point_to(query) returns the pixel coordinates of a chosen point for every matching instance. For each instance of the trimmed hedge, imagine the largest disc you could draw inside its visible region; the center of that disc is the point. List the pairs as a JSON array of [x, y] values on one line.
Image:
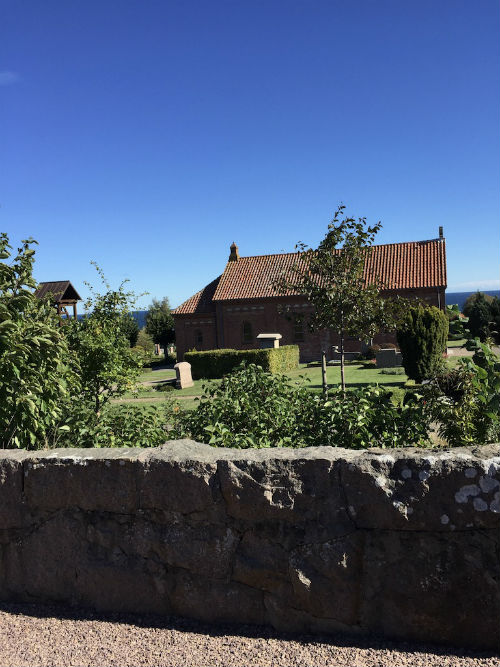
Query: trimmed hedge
[[216, 363]]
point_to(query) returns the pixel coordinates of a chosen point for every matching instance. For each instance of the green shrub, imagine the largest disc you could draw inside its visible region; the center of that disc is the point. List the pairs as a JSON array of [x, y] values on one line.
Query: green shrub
[[255, 408], [466, 401], [422, 341], [480, 317], [473, 298], [117, 426], [145, 342], [34, 377], [371, 352], [397, 370], [456, 328], [217, 363], [165, 387]]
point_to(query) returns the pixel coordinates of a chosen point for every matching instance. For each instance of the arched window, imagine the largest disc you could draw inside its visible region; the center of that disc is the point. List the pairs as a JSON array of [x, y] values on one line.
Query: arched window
[[247, 333], [298, 329], [198, 339]]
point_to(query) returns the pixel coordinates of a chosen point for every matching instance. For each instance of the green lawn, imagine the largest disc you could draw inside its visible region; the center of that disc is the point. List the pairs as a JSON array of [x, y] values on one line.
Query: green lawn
[[456, 343], [356, 375]]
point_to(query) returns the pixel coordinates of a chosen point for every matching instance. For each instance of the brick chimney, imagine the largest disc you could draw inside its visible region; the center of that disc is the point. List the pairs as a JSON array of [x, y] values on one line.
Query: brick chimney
[[234, 255], [441, 233]]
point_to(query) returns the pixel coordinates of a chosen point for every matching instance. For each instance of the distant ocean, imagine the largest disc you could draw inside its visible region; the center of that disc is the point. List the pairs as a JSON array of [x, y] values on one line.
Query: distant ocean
[[451, 297], [461, 297]]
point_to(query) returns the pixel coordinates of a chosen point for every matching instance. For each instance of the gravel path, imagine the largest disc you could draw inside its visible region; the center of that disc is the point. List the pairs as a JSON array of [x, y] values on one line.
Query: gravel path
[[37, 636]]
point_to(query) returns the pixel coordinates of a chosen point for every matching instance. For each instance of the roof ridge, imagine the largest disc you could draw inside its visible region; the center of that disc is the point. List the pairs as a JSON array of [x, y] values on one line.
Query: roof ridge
[[375, 245]]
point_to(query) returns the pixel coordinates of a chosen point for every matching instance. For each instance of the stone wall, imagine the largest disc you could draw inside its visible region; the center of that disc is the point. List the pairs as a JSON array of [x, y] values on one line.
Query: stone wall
[[401, 543]]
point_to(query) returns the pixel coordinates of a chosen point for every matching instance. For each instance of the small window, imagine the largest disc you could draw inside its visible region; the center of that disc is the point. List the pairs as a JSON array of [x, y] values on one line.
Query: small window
[[298, 329], [247, 333], [198, 339]]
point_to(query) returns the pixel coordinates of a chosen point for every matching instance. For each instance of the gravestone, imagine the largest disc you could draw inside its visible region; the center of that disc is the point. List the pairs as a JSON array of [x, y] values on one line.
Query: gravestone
[[183, 375], [389, 358]]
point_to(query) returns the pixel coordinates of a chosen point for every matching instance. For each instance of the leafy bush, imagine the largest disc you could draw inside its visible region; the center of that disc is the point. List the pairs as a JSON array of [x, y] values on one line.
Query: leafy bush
[[397, 370], [130, 329], [466, 401], [422, 341], [160, 323], [145, 342], [473, 298], [216, 363], [117, 426], [164, 387], [34, 377], [452, 312], [101, 353], [480, 317], [255, 408], [371, 352]]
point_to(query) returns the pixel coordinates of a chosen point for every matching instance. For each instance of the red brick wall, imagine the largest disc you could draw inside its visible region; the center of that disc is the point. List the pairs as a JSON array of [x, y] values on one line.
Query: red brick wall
[[186, 328], [265, 317]]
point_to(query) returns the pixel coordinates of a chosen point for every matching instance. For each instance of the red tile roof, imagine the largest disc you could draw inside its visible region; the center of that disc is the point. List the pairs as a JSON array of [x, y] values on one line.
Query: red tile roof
[[200, 303], [399, 266]]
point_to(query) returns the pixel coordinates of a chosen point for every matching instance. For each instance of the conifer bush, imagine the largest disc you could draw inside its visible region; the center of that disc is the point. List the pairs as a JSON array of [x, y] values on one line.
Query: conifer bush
[[422, 341]]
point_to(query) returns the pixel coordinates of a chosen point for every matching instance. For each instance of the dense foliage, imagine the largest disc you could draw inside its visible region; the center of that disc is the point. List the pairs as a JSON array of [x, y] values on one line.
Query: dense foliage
[[254, 408], [117, 426], [102, 356], [333, 280], [466, 401], [160, 323], [130, 329], [211, 364], [422, 341], [33, 354], [480, 314]]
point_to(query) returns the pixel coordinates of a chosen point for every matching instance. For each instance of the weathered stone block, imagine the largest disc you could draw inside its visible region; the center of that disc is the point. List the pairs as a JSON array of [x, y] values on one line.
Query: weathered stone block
[[297, 492], [214, 601], [260, 563], [422, 585], [89, 480], [184, 487], [12, 507], [325, 578], [415, 490]]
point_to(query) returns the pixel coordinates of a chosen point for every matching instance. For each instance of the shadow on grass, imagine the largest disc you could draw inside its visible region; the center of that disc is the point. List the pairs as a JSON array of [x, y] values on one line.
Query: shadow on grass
[[181, 624]]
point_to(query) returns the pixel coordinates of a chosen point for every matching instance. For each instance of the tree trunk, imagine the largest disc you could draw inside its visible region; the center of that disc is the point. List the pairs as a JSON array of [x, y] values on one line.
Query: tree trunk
[[342, 375], [323, 375]]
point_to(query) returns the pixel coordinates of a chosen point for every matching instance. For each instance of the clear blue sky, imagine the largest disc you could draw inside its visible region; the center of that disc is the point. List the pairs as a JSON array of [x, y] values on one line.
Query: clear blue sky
[[148, 135]]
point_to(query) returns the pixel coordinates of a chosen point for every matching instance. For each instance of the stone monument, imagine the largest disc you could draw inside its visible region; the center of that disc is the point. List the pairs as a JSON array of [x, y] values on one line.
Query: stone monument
[[183, 375], [267, 340]]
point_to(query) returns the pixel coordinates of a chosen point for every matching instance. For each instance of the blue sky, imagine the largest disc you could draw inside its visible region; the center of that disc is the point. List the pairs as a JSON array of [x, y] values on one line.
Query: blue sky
[[148, 135]]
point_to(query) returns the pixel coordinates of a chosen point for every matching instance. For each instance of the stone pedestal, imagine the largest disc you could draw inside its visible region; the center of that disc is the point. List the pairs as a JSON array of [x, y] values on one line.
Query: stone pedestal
[[267, 340], [183, 375]]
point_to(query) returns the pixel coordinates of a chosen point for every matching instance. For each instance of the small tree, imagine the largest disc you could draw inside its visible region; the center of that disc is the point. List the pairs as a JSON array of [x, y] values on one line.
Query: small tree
[[130, 329], [332, 278], [160, 323], [471, 300], [33, 354], [102, 355], [480, 316], [145, 342], [495, 319], [422, 340]]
